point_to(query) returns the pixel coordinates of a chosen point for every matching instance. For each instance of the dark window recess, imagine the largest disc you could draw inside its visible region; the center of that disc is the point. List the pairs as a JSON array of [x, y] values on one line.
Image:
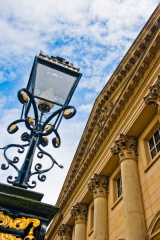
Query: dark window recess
[[119, 187], [154, 143]]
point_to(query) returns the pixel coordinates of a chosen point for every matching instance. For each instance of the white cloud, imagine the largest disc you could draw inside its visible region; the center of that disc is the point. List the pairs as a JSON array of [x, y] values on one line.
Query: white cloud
[[94, 35], [85, 108]]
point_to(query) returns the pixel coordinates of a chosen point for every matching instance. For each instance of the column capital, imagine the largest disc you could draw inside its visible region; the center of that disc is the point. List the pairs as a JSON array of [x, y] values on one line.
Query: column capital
[[125, 148], [99, 185], [65, 232], [79, 211], [153, 97]]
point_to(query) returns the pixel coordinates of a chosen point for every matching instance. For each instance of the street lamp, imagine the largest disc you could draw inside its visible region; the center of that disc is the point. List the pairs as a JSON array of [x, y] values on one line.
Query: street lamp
[[51, 84]]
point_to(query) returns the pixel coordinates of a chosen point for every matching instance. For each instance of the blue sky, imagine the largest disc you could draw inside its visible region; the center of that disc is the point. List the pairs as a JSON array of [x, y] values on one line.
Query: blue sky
[[92, 34]]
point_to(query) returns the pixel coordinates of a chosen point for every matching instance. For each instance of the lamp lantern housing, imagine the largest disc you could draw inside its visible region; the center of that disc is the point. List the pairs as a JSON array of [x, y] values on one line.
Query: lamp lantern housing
[[52, 81]]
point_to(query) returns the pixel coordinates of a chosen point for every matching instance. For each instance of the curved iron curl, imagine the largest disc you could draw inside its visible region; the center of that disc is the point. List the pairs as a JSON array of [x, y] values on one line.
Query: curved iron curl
[[54, 140], [10, 179], [56, 143], [31, 101], [38, 167], [48, 132], [58, 112], [71, 114], [15, 159], [14, 123], [42, 152], [34, 184]]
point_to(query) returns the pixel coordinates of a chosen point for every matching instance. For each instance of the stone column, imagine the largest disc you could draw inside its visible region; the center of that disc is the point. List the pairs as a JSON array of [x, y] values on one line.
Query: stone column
[[153, 97], [79, 211], [126, 150], [65, 232], [99, 187]]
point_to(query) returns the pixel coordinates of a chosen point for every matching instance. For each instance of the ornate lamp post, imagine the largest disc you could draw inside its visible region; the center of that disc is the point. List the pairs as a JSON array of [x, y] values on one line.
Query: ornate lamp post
[[51, 85]]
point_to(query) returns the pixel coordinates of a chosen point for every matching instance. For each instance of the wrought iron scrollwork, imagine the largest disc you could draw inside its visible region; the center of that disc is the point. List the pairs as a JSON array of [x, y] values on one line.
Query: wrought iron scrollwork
[[37, 137]]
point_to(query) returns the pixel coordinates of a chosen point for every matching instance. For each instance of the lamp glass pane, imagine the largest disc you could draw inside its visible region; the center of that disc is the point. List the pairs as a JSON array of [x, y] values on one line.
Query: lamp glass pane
[[52, 84]]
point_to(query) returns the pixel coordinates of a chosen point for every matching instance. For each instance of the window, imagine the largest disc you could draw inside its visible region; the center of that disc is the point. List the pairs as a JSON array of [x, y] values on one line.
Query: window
[[90, 224], [116, 186], [149, 144], [154, 143], [119, 186], [92, 218]]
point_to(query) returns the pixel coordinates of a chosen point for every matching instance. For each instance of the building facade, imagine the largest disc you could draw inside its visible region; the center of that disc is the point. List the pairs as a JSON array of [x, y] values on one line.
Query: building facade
[[112, 190]]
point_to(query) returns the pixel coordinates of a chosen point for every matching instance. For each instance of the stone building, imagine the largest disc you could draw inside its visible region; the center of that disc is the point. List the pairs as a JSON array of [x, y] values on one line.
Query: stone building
[[112, 190]]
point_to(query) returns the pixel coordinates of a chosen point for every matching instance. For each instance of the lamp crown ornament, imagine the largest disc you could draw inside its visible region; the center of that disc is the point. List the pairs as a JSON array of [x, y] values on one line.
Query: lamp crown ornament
[[51, 85], [59, 60]]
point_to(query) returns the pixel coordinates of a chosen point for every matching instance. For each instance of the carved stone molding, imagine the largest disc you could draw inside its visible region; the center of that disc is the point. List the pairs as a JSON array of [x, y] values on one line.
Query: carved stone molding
[[65, 232], [79, 211], [99, 185], [103, 116], [125, 148], [153, 97]]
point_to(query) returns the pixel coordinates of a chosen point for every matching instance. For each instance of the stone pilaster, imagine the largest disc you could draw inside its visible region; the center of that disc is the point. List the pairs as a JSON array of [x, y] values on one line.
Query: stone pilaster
[[80, 212], [99, 187], [65, 232], [153, 97], [126, 150]]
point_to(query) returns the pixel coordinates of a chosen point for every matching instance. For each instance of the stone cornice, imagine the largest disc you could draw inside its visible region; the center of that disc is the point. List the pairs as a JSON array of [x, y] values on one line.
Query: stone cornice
[[105, 112], [135, 63]]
